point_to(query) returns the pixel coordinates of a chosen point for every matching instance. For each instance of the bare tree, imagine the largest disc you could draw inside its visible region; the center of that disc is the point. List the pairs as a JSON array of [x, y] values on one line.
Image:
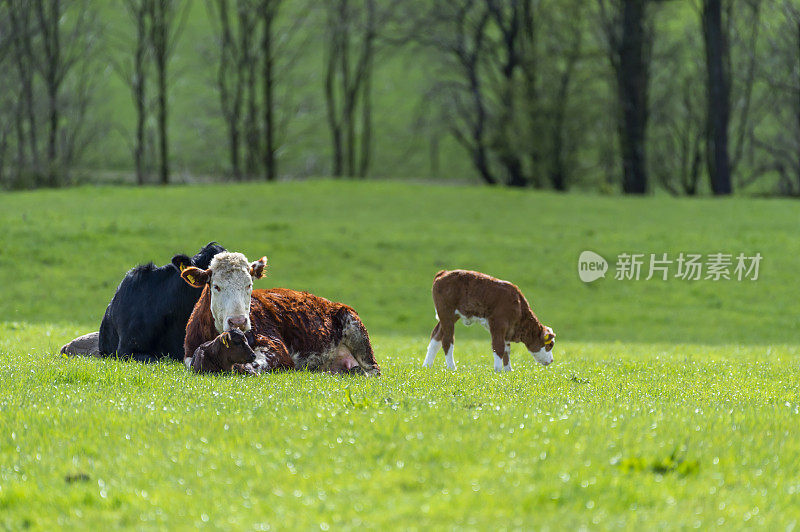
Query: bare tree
[[248, 25], [718, 97], [134, 75], [745, 35], [254, 53], [458, 31], [231, 69], [6, 89], [781, 70], [53, 67], [566, 45], [268, 11], [629, 42], [678, 114], [22, 31], [54, 41], [530, 64], [351, 32], [167, 19], [507, 17]]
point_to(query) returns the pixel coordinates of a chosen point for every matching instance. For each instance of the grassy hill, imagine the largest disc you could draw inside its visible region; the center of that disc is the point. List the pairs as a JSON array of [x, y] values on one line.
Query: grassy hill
[[670, 404], [377, 246]]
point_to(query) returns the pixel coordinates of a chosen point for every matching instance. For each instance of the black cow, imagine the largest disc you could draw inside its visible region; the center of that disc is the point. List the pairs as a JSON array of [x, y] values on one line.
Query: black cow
[[147, 316]]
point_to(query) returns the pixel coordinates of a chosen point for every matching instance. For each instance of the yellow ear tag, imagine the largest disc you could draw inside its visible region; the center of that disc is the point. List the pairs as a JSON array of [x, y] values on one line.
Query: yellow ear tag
[[191, 278], [183, 267], [224, 339]]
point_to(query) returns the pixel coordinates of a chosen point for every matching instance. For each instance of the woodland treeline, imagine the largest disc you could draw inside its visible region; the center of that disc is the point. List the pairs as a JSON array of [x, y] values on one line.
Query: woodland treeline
[[684, 96]]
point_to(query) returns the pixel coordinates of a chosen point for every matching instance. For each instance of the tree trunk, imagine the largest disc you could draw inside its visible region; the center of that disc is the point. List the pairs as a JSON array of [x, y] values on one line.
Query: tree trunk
[[530, 72], [557, 169], [159, 36], [348, 112], [251, 135], [479, 154], [482, 164], [163, 169], [139, 91], [478, 131], [558, 172], [366, 122], [509, 36], [20, 130], [3, 148], [19, 16], [48, 27], [797, 110], [333, 50], [632, 81], [229, 76], [508, 156], [366, 92], [718, 97], [52, 138], [268, 15]]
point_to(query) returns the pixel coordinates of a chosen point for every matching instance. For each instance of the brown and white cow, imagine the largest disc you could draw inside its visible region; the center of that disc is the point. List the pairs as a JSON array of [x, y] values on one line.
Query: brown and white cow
[[289, 329], [497, 305]]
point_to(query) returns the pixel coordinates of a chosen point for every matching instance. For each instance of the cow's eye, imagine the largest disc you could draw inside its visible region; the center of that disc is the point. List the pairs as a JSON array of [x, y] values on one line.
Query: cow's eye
[[216, 288]]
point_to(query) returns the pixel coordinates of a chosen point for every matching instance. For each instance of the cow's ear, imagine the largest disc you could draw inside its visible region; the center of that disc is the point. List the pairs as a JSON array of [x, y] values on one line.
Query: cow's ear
[[181, 262], [195, 276], [257, 268]]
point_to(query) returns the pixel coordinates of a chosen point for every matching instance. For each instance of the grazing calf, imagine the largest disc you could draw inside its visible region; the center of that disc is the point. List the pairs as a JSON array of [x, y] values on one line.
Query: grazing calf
[[291, 330], [147, 316], [223, 354], [497, 305]]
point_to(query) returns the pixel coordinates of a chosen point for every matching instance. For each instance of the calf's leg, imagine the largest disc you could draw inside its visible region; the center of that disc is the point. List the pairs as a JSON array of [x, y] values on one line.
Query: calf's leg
[[448, 340], [501, 350], [434, 346]]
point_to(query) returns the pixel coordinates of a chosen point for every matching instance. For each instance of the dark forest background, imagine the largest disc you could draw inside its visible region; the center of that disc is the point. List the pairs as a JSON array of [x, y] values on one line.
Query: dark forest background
[[635, 96]]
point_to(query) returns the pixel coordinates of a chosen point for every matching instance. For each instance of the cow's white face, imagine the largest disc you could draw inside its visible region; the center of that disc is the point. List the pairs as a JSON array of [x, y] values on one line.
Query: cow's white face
[[544, 356], [231, 289], [230, 283]]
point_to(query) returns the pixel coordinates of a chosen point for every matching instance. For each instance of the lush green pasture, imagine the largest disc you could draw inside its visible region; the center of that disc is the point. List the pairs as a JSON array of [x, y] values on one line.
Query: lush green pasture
[[670, 404], [377, 246], [586, 441]]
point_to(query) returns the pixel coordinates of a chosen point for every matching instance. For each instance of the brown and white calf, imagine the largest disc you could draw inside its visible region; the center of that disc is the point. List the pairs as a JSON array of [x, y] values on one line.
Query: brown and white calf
[[497, 305], [290, 329]]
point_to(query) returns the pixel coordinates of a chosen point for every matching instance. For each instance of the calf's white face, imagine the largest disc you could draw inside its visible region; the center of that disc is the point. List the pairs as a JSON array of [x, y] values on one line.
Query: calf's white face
[[544, 356], [230, 283]]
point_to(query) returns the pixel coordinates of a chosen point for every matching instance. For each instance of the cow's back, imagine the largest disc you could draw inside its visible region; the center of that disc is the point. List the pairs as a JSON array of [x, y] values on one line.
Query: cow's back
[[307, 323], [475, 293]]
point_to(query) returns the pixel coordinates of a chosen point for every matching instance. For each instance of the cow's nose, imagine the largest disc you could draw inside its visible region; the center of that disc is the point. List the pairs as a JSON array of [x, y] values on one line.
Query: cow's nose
[[237, 322]]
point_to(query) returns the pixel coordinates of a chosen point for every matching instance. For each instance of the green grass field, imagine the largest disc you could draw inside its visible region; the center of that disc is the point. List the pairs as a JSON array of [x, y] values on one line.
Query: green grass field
[[671, 404]]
